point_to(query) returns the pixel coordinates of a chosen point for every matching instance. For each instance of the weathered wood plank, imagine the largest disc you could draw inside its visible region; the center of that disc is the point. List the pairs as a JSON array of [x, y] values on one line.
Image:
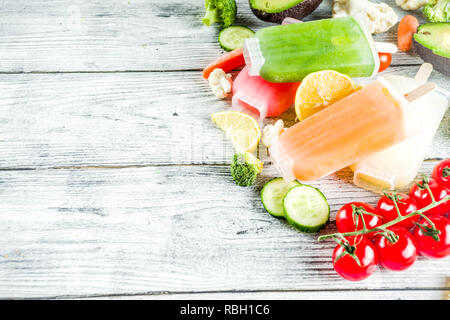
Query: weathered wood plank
[[122, 35], [290, 295], [119, 119], [157, 229], [152, 229]]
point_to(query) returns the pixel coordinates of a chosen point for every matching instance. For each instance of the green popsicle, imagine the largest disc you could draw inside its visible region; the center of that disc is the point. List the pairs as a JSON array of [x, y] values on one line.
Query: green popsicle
[[289, 52]]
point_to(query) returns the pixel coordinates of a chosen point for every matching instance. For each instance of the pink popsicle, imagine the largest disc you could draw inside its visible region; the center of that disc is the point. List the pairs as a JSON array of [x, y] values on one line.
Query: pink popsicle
[[254, 94]]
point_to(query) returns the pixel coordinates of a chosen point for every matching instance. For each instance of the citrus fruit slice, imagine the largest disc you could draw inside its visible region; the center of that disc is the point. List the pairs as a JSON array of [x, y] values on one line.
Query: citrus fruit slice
[[241, 129], [320, 89]]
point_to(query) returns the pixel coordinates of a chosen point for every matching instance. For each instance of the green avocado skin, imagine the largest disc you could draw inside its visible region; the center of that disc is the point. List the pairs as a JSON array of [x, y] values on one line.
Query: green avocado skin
[[432, 51], [440, 63], [298, 11]]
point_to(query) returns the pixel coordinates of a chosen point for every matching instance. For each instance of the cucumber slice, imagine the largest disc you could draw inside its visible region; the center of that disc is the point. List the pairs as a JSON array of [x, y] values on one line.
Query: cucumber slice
[[306, 208], [273, 193], [233, 37]]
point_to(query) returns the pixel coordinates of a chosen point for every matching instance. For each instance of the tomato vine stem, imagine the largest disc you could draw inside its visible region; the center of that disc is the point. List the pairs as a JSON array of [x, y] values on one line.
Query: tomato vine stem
[[400, 218], [446, 172]]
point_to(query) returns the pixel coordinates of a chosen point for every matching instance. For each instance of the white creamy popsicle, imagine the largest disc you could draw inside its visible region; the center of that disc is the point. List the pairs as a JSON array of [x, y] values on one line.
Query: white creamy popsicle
[[398, 165]]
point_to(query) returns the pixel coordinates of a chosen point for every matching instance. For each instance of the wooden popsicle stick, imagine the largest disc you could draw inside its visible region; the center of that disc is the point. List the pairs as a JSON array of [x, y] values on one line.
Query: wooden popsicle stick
[[420, 91], [424, 72], [289, 20]]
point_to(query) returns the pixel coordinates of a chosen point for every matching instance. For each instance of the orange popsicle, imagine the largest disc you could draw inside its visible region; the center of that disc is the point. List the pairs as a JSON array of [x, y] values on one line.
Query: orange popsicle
[[369, 120]]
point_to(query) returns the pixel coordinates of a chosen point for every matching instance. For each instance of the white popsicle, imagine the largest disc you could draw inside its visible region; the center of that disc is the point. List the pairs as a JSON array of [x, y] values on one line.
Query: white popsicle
[[398, 165]]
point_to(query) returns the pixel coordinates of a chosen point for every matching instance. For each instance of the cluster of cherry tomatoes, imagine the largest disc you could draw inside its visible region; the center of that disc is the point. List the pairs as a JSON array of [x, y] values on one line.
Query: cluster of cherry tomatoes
[[357, 257]]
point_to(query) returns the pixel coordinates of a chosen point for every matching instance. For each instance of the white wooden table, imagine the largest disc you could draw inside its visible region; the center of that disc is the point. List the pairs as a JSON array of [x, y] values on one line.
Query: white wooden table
[[115, 184]]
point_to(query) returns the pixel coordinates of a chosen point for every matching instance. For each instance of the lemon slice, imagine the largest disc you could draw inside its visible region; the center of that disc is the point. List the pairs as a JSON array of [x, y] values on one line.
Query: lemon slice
[[241, 129], [320, 89]]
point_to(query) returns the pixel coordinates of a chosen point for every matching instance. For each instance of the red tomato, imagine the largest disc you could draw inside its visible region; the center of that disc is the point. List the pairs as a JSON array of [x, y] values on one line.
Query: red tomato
[[348, 219], [399, 255], [429, 247], [441, 173], [385, 60], [406, 205], [347, 267], [419, 193]]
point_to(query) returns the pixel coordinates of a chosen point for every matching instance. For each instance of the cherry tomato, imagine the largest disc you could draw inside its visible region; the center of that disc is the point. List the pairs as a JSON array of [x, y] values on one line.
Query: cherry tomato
[[399, 255], [429, 247], [419, 193], [406, 205], [385, 60], [348, 218], [441, 173], [347, 267]]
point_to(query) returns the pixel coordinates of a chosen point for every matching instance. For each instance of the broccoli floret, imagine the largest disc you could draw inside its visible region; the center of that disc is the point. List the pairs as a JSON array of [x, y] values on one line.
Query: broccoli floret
[[437, 10], [244, 168], [221, 11], [212, 14]]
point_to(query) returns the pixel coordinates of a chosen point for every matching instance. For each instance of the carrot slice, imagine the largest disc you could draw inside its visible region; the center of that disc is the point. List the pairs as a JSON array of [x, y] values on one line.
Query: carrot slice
[[406, 28], [227, 62]]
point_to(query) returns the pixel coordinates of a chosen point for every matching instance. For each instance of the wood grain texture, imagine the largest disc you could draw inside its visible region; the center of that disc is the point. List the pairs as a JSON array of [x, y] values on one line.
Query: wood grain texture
[[115, 183], [176, 229], [122, 35], [288, 295], [122, 119]]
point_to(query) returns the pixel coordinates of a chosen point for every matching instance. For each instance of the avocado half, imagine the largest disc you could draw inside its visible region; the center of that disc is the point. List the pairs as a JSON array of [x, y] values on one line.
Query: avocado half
[[432, 44], [276, 10]]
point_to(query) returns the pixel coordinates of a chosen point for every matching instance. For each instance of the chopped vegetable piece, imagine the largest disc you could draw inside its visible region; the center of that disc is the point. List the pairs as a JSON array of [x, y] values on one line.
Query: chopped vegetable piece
[[227, 62], [406, 28], [380, 17], [276, 10], [220, 11], [436, 37], [220, 83], [411, 4], [273, 193], [271, 132], [233, 37], [245, 167], [431, 42], [437, 11], [385, 60], [306, 208]]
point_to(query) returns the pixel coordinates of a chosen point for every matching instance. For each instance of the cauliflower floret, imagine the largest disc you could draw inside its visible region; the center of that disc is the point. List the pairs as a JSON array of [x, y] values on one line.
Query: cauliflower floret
[[220, 83], [380, 16], [411, 4], [271, 132]]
